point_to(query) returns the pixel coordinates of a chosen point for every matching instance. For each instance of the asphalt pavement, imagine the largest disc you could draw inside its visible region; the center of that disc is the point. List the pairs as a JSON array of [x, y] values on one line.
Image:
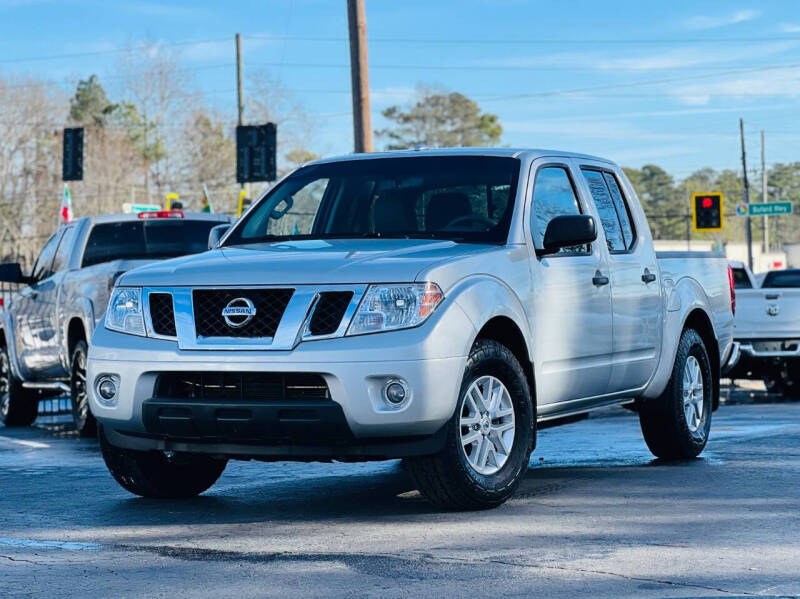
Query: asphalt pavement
[[596, 516]]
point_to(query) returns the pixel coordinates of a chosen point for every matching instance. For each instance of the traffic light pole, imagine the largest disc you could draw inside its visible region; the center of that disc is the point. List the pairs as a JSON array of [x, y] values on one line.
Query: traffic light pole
[[748, 231]]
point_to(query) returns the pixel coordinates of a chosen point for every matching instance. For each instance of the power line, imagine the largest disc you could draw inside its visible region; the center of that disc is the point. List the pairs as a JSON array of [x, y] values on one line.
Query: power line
[[433, 41], [531, 41], [109, 51]]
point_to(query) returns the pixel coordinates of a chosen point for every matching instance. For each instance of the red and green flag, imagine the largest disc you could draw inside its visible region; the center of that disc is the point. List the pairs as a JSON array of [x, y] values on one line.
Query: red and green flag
[[206, 201]]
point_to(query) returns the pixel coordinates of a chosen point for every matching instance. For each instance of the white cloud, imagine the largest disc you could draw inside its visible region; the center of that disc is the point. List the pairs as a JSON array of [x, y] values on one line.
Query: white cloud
[[677, 59], [766, 84], [706, 22], [790, 27]]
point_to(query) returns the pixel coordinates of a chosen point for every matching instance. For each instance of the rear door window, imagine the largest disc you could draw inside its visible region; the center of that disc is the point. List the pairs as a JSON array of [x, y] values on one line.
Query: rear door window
[[740, 279], [609, 214]]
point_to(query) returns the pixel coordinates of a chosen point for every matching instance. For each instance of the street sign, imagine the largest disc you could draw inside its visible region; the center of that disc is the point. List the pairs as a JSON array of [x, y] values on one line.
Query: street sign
[[136, 208], [256, 153], [707, 212], [72, 156], [764, 208]]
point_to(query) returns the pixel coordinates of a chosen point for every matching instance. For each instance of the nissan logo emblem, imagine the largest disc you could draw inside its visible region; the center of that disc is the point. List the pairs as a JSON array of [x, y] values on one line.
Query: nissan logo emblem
[[238, 312]]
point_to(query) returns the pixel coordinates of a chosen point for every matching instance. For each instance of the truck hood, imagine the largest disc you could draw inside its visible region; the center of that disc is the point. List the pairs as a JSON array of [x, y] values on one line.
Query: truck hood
[[330, 261]]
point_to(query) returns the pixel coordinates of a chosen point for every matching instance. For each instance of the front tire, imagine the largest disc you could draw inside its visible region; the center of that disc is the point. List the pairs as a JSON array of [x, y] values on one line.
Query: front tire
[[82, 417], [18, 406], [159, 475], [489, 438], [676, 425]]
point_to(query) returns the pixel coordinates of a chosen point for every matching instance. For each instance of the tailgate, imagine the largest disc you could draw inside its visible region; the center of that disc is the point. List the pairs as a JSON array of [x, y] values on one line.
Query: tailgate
[[767, 314]]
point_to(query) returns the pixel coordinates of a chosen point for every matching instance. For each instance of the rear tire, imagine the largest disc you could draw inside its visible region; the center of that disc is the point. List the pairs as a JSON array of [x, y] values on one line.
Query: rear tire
[[154, 474], [676, 425], [474, 475], [82, 416], [18, 406]]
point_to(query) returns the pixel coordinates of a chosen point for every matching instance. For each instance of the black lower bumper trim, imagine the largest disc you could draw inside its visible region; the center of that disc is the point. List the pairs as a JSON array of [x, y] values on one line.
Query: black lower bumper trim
[[354, 450], [274, 422]]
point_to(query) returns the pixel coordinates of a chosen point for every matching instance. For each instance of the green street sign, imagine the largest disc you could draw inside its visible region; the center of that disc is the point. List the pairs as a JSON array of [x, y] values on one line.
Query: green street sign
[[764, 208], [136, 208]]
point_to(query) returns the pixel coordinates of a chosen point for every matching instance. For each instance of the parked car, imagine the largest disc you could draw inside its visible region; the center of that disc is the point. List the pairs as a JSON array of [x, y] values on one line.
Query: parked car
[[767, 329], [429, 305], [46, 326]]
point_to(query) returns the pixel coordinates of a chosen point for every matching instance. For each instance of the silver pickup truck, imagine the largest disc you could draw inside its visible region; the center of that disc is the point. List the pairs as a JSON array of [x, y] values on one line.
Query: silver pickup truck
[[45, 326], [430, 305], [767, 329]]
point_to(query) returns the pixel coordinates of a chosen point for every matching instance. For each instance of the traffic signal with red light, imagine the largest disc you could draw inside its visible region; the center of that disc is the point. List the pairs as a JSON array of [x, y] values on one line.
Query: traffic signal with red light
[[707, 212]]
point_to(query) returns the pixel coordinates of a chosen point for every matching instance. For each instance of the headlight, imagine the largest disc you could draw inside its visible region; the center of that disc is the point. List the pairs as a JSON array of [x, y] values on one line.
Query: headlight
[[392, 307], [124, 312]]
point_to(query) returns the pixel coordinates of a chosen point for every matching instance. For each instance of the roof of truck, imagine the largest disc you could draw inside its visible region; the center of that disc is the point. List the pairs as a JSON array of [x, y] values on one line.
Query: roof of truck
[[424, 151], [114, 218]]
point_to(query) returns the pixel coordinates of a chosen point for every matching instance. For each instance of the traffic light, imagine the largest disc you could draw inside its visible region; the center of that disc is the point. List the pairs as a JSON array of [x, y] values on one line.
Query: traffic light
[[256, 149], [72, 158], [707, 212]]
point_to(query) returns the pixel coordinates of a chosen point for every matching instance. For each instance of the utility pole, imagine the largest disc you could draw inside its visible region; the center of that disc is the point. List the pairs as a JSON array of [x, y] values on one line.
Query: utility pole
[[239, 84], [764, 191], [359, 75], [746, 200]]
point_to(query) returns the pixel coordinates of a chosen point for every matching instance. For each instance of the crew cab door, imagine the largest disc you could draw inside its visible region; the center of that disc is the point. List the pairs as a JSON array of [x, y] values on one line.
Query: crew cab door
[[570, 309], [635, 288], [35, 318]]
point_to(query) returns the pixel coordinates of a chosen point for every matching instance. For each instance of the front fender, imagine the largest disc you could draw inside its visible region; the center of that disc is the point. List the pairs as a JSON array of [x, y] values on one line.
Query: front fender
[[682, 299], [82, 309], [484, 297], [7, 328]]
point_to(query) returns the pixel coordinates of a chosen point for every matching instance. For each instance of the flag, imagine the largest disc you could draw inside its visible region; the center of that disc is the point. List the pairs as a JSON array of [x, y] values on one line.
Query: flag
[[66, 206], [206, 201]]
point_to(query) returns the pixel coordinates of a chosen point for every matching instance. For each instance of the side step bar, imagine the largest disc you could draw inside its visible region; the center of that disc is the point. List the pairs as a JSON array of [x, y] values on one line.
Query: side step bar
[[56, 386]]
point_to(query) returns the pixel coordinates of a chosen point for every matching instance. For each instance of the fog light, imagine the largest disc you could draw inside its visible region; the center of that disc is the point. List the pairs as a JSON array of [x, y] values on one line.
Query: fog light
[[106, 386], [395, 392]]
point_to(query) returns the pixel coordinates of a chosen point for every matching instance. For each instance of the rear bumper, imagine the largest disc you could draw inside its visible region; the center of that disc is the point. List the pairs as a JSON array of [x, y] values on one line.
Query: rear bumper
[[733, 358]]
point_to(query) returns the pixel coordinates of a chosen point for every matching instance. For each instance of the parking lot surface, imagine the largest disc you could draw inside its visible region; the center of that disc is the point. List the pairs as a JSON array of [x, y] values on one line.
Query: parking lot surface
[[595, 515]]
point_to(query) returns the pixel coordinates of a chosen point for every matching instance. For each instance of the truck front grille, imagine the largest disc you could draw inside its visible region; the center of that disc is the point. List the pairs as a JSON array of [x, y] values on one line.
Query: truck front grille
[[241, 386], [162, 314], [269, 306], [329, 311]]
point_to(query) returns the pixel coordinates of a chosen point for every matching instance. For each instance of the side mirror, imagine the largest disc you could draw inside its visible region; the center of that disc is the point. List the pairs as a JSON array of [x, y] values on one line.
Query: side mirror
[[567, 231], [215, 234], [12, 273]]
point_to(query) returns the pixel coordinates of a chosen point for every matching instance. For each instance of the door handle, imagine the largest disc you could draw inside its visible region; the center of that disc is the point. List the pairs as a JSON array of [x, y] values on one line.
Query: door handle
[[648, 277], [599, 279]]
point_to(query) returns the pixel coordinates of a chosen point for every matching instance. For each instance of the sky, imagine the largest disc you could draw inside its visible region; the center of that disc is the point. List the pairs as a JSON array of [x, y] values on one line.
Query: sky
[[640, 82]]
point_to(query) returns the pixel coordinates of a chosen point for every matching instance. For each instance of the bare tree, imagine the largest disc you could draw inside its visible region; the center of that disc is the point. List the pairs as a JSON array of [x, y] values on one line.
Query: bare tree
[[156, 93], [270, 101]]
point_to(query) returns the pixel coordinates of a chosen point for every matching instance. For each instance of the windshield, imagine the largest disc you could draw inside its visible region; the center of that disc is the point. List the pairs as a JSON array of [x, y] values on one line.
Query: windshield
[[146, 239], [461, 198], [782, 278]]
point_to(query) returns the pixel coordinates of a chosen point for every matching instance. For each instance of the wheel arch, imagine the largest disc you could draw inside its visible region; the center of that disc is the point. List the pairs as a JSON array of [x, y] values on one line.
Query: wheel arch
[[504, 330], [76, 331], [699, 321]]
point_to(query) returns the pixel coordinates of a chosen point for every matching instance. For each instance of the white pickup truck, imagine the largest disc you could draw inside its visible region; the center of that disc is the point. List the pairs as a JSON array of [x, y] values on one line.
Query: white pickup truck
[[45, 326], [767, 329], [430, 305]]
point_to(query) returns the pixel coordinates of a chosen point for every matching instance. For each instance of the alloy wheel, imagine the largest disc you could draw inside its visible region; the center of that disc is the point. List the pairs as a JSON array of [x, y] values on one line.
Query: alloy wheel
[[487, 425], [693, 394]]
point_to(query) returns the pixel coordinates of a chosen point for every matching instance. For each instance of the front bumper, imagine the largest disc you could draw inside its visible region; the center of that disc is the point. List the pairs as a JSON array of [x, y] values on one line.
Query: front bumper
[[354, 421]]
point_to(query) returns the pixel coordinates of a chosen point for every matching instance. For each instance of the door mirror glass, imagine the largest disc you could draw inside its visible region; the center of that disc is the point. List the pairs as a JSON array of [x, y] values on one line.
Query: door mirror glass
[[567, 231], [12, 273], [216, 234]]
